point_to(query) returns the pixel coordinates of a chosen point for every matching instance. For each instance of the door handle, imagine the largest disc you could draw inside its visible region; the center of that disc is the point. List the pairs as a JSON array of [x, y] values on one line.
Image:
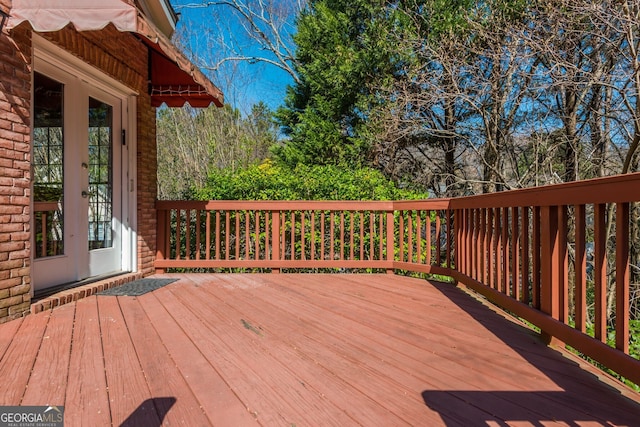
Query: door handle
[[84, 194]]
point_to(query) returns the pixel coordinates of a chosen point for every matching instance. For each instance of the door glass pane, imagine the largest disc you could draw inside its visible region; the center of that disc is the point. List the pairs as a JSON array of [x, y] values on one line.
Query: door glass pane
[[48, 151], [100, 174]]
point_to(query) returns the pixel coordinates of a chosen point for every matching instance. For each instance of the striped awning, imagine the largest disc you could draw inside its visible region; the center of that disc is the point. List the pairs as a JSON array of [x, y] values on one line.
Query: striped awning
[[174, 80]]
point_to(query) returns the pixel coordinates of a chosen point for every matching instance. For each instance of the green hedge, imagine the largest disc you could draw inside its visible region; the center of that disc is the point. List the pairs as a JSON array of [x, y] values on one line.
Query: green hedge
[[270, 181]]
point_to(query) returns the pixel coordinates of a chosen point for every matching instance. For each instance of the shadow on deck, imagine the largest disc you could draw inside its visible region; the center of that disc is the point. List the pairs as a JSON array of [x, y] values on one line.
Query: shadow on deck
[[579, 400]]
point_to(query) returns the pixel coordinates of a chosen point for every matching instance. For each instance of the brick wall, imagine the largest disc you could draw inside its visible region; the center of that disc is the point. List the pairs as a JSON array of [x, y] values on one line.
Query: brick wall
[[15, 151], [123, 57], [147, 185]]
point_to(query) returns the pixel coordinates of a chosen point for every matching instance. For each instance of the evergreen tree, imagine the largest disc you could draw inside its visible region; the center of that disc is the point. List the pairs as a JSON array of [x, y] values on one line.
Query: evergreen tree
[[344, 50]]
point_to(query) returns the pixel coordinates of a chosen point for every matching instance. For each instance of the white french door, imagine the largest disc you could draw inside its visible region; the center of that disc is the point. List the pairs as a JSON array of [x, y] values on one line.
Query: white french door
[[79, 173]]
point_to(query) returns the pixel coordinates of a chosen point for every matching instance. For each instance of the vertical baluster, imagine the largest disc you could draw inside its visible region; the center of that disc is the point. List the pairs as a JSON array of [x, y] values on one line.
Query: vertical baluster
[[227, 226], [283, 235], [268, 219], [256, 254], [563, 263], [600, 267], [371, 234], [302, 236], [498, 249], [505, 251], [439, 241], [218, 235], [198, 225], [207, 237], [401, 237], [481, 246], [428, 237], [187, 245], [247, 235], [332, 238], [313, 235], [351, 238], [450, 232], [293, 235], [381, 239], [362, 257], [237, 235], [275, 239], [390, 237], [178, 234], [580, 268], [475, 233], [515, 252], [341, 235], [457, 223], [535, 250], [322, 226], [418, 237], [489, 249], [622, 277], [410, 236], [524, 238]]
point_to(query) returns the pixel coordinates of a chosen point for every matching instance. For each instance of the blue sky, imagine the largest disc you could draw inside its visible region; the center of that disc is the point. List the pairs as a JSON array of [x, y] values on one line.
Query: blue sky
[[201, 32]]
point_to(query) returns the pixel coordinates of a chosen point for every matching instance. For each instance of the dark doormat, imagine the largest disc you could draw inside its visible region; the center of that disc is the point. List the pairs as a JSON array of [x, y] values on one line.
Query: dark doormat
[[137, 287]]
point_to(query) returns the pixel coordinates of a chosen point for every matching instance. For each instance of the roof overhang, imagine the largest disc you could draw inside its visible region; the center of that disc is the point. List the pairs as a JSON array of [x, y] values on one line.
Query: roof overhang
[[173, 79]]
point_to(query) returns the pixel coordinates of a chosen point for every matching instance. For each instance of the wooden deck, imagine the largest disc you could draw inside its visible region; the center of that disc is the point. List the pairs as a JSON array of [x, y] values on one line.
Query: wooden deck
[[299, 350]]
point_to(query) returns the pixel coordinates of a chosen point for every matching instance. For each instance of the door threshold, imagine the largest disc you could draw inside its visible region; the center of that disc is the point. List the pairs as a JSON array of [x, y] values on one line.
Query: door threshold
[[47, 292], [81, 289]]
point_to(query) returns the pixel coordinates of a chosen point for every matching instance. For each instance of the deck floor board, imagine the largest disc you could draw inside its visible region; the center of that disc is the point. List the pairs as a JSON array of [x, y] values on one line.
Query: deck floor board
[[87, 399], [129, 395], [300, 349], [48, 379], [22, 353]]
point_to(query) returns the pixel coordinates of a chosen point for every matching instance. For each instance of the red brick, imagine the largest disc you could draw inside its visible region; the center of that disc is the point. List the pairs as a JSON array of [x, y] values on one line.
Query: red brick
[[11, 173], [11, 247], [20, 200], [11, 227], [20, 254], [20, 290], [22, 218], [10, 209], [10, 283], [22, 272], [20, 236], [20, 309], [11, 191]]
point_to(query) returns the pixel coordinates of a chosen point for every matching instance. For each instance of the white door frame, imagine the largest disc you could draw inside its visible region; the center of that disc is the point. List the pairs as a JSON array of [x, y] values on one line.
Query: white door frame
[[60, 65]]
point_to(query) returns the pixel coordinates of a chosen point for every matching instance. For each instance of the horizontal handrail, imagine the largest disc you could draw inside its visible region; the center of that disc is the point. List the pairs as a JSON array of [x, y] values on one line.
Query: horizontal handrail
[[537, 252]]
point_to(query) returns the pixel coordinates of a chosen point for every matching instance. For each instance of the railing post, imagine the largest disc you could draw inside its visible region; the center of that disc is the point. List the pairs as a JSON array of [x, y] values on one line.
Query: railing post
[[391, 241], [161, 237], [550, 270], [275, 238]]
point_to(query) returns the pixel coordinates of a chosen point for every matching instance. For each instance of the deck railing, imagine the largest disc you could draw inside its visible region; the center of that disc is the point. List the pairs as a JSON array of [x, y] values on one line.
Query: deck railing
[[557, 256], [304, 234]]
